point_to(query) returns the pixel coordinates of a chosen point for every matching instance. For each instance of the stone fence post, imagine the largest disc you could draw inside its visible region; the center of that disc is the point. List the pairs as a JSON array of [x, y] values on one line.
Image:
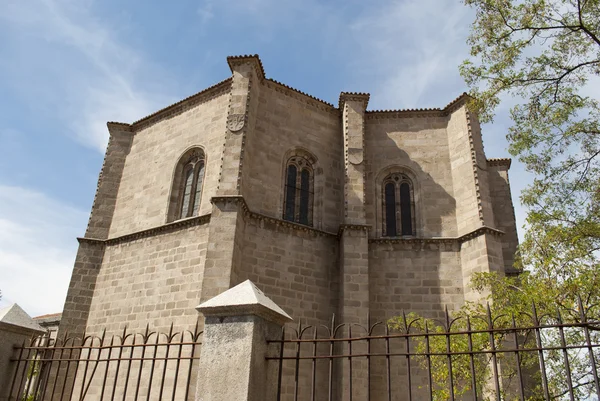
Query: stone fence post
[[16, 328], [232, 365]]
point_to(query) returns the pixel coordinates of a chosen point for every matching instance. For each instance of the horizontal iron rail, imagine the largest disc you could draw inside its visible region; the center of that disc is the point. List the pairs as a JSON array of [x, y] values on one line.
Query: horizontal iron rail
[[434, 334], [103, 359], [452, 353], [100, 347]]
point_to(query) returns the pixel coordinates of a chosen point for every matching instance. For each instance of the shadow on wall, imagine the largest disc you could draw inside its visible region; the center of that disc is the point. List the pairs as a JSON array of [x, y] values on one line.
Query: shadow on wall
[[415, 273]]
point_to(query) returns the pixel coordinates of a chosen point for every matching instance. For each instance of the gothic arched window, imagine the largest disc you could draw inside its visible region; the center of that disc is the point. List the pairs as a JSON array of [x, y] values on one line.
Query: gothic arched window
[[298, 197], [187, 185], [398, 206]]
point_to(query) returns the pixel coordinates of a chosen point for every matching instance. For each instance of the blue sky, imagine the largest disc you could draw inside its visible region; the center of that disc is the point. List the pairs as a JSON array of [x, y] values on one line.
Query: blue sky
[[68, 66]]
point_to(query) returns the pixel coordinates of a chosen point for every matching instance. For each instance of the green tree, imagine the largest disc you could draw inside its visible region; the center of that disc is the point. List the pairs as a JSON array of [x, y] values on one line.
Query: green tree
[[546, 54]]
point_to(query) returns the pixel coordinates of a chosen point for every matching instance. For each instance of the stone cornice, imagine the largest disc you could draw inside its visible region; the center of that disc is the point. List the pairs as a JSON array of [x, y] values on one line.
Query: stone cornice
[[475, 168], [354, 97], [247, 58], [353, 227], [457, 103], [427, 112], [504, 162], [182, 105], [169, 227], [261, 217], [449, 240], [302, 96]]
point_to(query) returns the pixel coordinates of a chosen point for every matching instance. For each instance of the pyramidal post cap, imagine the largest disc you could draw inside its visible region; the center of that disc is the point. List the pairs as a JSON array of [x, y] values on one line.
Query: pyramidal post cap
[[14, 315], [244, 299]]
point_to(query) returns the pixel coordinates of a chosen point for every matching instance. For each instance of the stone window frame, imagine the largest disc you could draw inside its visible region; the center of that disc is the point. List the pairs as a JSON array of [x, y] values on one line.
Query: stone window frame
[[302, 159], [404, 175], [195, 159]]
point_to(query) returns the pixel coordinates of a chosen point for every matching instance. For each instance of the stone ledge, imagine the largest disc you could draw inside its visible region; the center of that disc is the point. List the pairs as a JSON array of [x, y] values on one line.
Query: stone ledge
[[439, 240], [504, 162], [169, 227], [273, 220]]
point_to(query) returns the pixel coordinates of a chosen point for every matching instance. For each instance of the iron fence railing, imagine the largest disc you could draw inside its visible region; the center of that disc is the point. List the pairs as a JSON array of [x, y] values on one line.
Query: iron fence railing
[[148, 365], [528, 357]]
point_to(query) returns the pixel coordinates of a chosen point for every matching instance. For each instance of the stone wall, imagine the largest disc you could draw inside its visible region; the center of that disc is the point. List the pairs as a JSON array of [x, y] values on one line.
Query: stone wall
[[504, 211], [462, 167], [416, 276], [285, 122], [146, 182], [154, 280], [296, 268], [417, 145]]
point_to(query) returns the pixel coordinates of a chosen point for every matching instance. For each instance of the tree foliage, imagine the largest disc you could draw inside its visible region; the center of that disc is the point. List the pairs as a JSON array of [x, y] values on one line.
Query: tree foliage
[[544, 57], [506, 317], [546, 54]]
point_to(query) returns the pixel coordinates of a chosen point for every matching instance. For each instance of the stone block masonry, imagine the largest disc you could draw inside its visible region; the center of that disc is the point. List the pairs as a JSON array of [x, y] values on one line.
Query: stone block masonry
[[140, 263]]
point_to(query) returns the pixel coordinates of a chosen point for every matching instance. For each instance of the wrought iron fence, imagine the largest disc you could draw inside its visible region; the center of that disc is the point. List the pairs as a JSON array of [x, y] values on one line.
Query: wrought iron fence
[[148, 365], [526, 357]]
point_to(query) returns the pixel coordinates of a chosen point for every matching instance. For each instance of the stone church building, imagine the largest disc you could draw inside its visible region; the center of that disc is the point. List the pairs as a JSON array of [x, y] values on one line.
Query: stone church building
[[329, 209]]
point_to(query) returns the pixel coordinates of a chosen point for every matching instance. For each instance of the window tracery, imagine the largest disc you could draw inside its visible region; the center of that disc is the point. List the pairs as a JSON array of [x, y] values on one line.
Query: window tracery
[[298, 197], [398, 206]]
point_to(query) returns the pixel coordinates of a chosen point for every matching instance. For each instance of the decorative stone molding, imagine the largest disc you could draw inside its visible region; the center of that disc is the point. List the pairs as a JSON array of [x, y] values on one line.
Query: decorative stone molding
[[459, 240], [503, 162], [475, 167], [253, 59], [353, 97], [169, 227], [183, 105], [353, 227], [416, 113], [299, 95], [235, 122]]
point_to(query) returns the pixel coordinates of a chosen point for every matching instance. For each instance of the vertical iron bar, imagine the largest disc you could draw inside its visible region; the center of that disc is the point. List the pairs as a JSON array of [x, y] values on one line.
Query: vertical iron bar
[[388, 362], [563, 345], [112, 339], [471, 359], [31, 374], [280, 372], [45, 376], [369, 359], [297, 366], [407, 341], [23, 381], [62, 350], [518, 357], [189, 376], [176, 367], [332, 336], [350, 360], [145, 338], [129, 362], [314, 366], [12, 386], [95, 364], [152, 366], [428, 353], [449, 356], [586, 331], [538, 342], [162, 380], [87, 363], [493, 348], [64, 386], [114, 390]]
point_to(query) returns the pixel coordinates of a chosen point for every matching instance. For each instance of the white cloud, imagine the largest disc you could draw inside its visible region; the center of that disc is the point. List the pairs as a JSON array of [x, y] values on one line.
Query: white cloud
[[411, 49], [205, 11], [37, 249], [94, 73]]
